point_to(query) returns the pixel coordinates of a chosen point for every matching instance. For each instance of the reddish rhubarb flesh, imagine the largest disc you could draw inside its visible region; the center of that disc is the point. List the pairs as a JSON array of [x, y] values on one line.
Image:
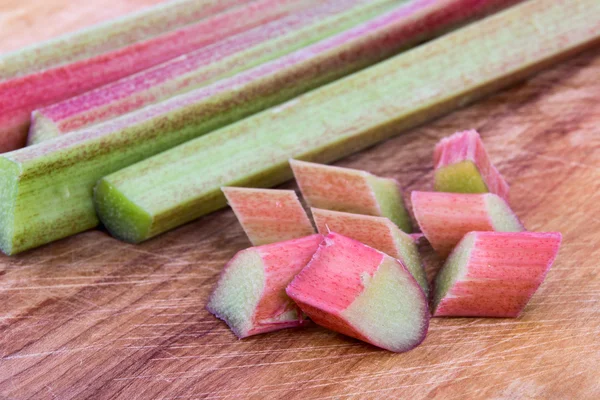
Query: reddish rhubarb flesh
[[444, 218], [494, 274], [377, 232], [462, 165], [21, 94], [351, 190], [267, 215], [361, 292], [250, 295], [203, 66]]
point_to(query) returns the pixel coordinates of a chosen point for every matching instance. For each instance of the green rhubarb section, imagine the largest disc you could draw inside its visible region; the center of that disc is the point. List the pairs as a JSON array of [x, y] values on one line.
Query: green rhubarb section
[[184, 183], [390, 201], [454, 269], [462, 177]]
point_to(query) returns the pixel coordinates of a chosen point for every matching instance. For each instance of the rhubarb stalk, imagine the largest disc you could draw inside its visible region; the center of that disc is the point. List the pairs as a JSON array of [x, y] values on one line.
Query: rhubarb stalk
[[202, 67], [267, 215], [377, 232], [184, 183], [250, 294], [74, 64], [444, 218], [462, 165], [494, 274], [356, 290], [351, 190]]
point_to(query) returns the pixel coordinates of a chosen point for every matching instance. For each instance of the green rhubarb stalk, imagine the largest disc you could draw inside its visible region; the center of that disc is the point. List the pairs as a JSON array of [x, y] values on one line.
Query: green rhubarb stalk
[[184, 183], [46, 190]]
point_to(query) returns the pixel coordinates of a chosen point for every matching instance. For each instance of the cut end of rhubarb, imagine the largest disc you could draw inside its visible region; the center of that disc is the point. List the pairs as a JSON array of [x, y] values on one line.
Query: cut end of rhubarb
[[41, 129], [363, 293], [9, 177], [268, 215], [250, 295], [444, 218], [111, 205], [351, 190], [494, 274], [462, 165], [377, 232]]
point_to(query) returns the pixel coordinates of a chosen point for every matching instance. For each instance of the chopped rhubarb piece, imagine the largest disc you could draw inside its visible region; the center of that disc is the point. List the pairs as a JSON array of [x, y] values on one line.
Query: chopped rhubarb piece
[[445, 218], [351, 190], [494, 274], [462, 165], [268, 215], [250, 295], [377, 232], [363, 293]]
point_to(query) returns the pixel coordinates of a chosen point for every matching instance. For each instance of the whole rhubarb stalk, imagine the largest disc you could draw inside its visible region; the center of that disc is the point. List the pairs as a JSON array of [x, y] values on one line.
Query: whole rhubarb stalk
[[351, 190], [62, 172], [344, 117], [462, 165], [356, 290], [202, 67], [444, 218], [494, 274], [250, 295], [267, 215], [74, 64], [377, 232]]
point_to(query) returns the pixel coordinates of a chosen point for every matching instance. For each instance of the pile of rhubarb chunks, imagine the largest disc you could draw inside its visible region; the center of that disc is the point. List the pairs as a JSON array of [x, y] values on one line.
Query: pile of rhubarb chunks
[[362, 274]]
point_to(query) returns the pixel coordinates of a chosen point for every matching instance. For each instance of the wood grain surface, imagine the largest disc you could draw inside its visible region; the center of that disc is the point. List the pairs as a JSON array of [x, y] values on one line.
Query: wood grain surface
[[92, 318]]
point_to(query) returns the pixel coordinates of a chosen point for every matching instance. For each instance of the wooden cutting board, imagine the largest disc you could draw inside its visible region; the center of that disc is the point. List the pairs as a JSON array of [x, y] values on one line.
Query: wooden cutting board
[[90, 317]]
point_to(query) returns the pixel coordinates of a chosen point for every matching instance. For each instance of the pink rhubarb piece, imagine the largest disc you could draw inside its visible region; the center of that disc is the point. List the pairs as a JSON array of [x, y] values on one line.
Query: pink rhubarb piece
[[250, 295], [494, 274]]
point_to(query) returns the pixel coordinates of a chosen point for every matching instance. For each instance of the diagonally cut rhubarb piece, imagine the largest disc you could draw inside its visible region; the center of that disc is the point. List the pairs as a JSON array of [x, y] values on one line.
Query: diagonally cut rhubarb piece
[[494, 274], [377, 232], [444, 218], [343, 117], [462, 165], [268, 215], [202, 67], [351, 190], [22, 92], [356, 290], [250, 295]]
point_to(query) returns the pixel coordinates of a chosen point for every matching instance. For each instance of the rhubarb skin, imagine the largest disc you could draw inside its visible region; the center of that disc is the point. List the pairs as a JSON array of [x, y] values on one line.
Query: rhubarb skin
[[444, 218], [22, 92], [494, 274], [199, 68], [267, 215], [351, 190], [361, 292], [377, 232], [462, 165], [344, 117], [250, 295]]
